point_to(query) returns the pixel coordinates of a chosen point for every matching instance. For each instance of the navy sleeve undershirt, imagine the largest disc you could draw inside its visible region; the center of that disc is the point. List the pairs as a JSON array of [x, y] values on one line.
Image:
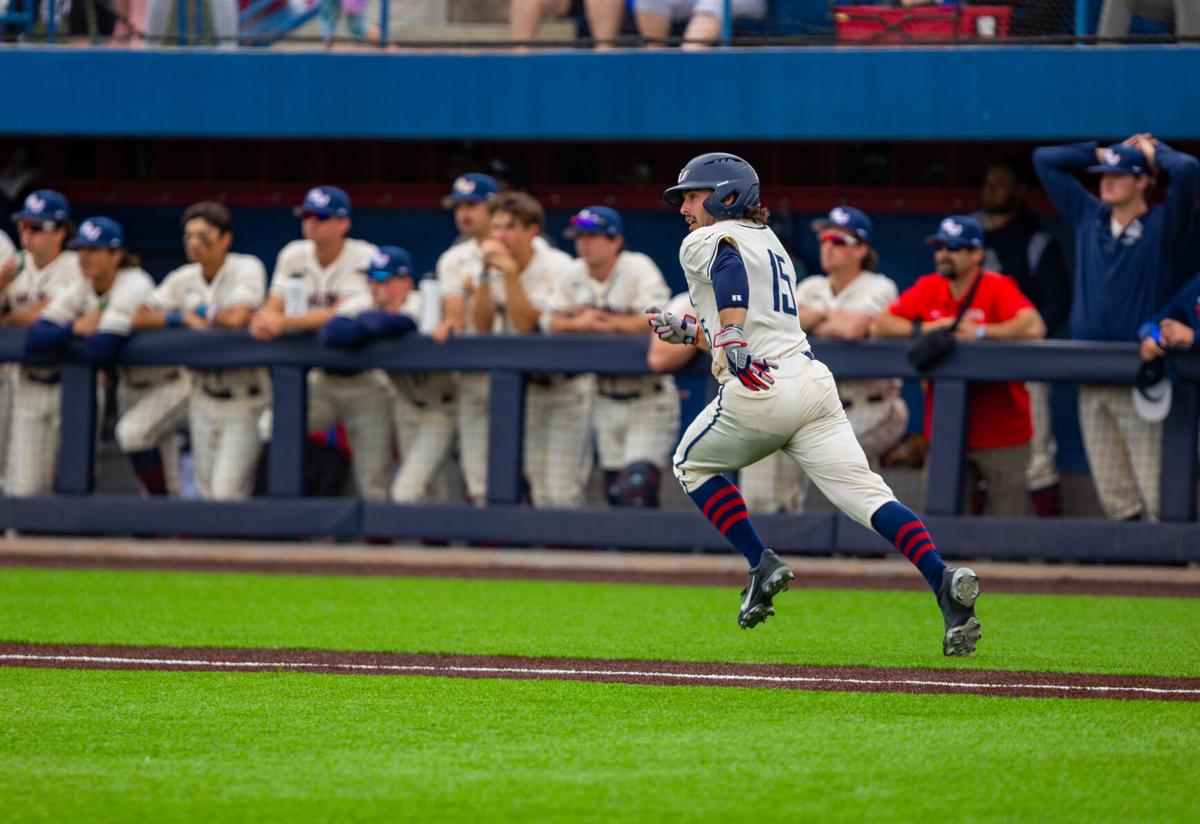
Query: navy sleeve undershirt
[[730, 283]]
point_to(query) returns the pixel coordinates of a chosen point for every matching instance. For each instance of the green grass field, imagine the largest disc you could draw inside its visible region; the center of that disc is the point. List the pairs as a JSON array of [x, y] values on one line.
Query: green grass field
[[228, 746]]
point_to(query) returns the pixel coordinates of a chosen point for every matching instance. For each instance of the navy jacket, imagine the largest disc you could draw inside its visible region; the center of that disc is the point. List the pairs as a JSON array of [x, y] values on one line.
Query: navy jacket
[[1119, 282], [1184, 307]]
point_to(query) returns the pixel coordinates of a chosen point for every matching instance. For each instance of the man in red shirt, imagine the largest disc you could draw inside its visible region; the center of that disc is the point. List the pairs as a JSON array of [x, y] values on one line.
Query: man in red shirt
[[999, 426]]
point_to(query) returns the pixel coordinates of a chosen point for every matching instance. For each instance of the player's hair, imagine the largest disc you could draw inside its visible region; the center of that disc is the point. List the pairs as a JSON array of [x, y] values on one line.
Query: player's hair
[[128, 260], [523, 207], [213, 213], [755, 214]]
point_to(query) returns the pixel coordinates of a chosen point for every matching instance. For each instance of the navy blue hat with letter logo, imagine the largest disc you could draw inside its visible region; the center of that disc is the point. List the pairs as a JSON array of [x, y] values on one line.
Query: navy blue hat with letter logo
[[326, 201], [958, 231], [99, 233], [389, 262], [44, 204]]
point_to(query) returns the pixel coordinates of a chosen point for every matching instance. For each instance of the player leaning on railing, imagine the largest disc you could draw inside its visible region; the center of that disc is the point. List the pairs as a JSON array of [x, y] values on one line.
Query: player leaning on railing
[[775, 395]]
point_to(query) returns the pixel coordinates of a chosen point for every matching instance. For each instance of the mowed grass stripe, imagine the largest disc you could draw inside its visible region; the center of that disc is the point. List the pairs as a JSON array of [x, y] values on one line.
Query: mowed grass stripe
[[895, 629], [137, 746]]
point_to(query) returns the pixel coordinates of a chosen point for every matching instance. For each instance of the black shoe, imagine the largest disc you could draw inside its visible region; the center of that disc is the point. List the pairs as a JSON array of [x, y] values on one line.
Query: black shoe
[[768, 579], [960, 588]]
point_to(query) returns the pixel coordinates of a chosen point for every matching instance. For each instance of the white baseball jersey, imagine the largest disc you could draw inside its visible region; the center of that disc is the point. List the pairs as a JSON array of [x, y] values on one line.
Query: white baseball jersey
[[869, 293], [6, 246], [241, 281], [772, 327], [33, 285], [341, 282], [459, 266], [129, 291], [539, 279]]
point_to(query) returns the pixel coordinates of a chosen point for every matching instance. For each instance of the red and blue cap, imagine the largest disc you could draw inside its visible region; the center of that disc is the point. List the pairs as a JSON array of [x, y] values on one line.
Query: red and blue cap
[[44, 204], [98, 233], [596, 220], [327, 201], [389, 262], [1121, 160], [473, 187], [958, 231], [847, 219]]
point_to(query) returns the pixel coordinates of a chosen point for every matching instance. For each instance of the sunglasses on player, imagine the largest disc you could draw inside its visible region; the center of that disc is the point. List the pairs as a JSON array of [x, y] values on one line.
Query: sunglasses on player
[[317, 216], [33, 228], [950, 247], [838, 239]]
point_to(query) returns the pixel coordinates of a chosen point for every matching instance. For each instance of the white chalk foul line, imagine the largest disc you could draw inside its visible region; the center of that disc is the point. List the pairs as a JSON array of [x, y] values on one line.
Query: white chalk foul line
[[716, 677]]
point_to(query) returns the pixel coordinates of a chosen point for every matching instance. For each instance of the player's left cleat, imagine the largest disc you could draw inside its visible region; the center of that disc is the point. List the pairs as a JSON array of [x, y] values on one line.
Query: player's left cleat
[[960, 588], [767, 580]]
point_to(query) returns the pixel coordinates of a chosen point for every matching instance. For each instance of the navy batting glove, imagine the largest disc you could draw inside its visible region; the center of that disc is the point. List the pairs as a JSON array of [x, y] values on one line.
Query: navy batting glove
[[752, 371]]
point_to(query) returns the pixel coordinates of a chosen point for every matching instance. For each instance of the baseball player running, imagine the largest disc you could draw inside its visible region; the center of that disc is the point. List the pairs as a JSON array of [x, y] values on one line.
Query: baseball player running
[[774, 395], [218, 289], [316, 279], [636, 417], [29, 281], [839, 304], [423, 402], [512, 295], [99, 308]]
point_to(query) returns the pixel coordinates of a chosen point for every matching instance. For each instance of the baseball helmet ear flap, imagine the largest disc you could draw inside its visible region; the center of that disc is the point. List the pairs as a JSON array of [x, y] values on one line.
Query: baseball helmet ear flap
[[743, 196], [726, 175]]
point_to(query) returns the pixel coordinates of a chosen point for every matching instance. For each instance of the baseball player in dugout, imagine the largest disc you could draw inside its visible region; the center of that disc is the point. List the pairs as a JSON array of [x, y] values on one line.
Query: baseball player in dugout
[[839, 304], [216, 290], [28, 282], [1127, 260], [514, 291], [458, 271], [100, 309], [775, 395], [7, 251], [422, 402], [636, 417], [316, 279], [985, 306]]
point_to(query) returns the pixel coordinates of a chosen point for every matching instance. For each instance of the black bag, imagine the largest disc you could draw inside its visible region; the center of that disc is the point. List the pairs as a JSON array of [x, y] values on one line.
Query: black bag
[[928, 349]]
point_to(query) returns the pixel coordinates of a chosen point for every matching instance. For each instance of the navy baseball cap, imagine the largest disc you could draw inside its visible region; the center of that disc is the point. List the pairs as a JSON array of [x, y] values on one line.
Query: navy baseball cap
[[473, 187], [957, 231], [1122, 160], [44, 204], [99, 233], [328, 201], [848, 219], [596, 220], [389, 262]]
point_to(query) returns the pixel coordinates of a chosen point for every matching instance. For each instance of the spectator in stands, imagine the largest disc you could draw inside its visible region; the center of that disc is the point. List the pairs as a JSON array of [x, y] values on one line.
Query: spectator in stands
[[604, 292], [999, 427], [458, 272], [28, 282], [1017, 245], [422, 402], [604, 18], [704, 19], [513, 291], [1126, 254], [1116, 16], [316, 279], [224, 13], [839, 304], [217, 289], [330, 11]]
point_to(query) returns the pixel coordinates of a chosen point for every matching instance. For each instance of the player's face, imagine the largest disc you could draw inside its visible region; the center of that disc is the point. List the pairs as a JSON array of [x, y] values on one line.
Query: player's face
[[956, 262], [597, 251], [693, 211], [322, 229], [1120, 190], [390, 293], [1001, 193], [510, 232], [98, 263], [470, 218], [840, 251], [41, 238], [204, 243]]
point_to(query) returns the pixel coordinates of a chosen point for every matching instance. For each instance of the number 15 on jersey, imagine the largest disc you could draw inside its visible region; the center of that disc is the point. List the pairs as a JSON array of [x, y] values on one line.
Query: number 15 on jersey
[[785, 298]]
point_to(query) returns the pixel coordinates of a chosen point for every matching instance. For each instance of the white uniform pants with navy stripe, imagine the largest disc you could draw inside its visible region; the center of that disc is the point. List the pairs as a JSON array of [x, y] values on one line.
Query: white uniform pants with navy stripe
[[800, 415], [558, 440]]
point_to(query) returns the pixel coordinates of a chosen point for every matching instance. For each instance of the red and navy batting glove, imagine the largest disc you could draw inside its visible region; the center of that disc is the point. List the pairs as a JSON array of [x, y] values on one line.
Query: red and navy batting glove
[[671, 327], [752, 371]]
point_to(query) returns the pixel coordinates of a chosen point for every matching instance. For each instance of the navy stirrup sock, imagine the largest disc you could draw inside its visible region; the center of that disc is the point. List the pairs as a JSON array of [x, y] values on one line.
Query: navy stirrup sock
[[901, 526], [723, 505]]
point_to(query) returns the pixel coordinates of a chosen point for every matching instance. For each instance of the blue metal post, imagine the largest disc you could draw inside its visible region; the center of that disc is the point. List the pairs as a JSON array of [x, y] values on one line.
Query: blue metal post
[[947, 448], [289, 428], [383, 22], [506, 431], [1081, 18], [52, 23], [727, 24], [181, 21], [76, 450]]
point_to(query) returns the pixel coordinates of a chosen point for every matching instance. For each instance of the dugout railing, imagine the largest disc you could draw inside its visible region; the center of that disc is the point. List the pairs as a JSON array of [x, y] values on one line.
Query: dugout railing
[[284, 514]]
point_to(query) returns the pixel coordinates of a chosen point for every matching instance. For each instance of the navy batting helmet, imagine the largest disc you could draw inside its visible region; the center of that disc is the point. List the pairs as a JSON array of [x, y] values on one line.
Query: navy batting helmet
[[726, 175]]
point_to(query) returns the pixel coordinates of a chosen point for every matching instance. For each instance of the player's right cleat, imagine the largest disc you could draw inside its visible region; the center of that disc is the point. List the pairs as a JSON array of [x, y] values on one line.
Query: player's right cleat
[[766, 580], [960, 588]]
